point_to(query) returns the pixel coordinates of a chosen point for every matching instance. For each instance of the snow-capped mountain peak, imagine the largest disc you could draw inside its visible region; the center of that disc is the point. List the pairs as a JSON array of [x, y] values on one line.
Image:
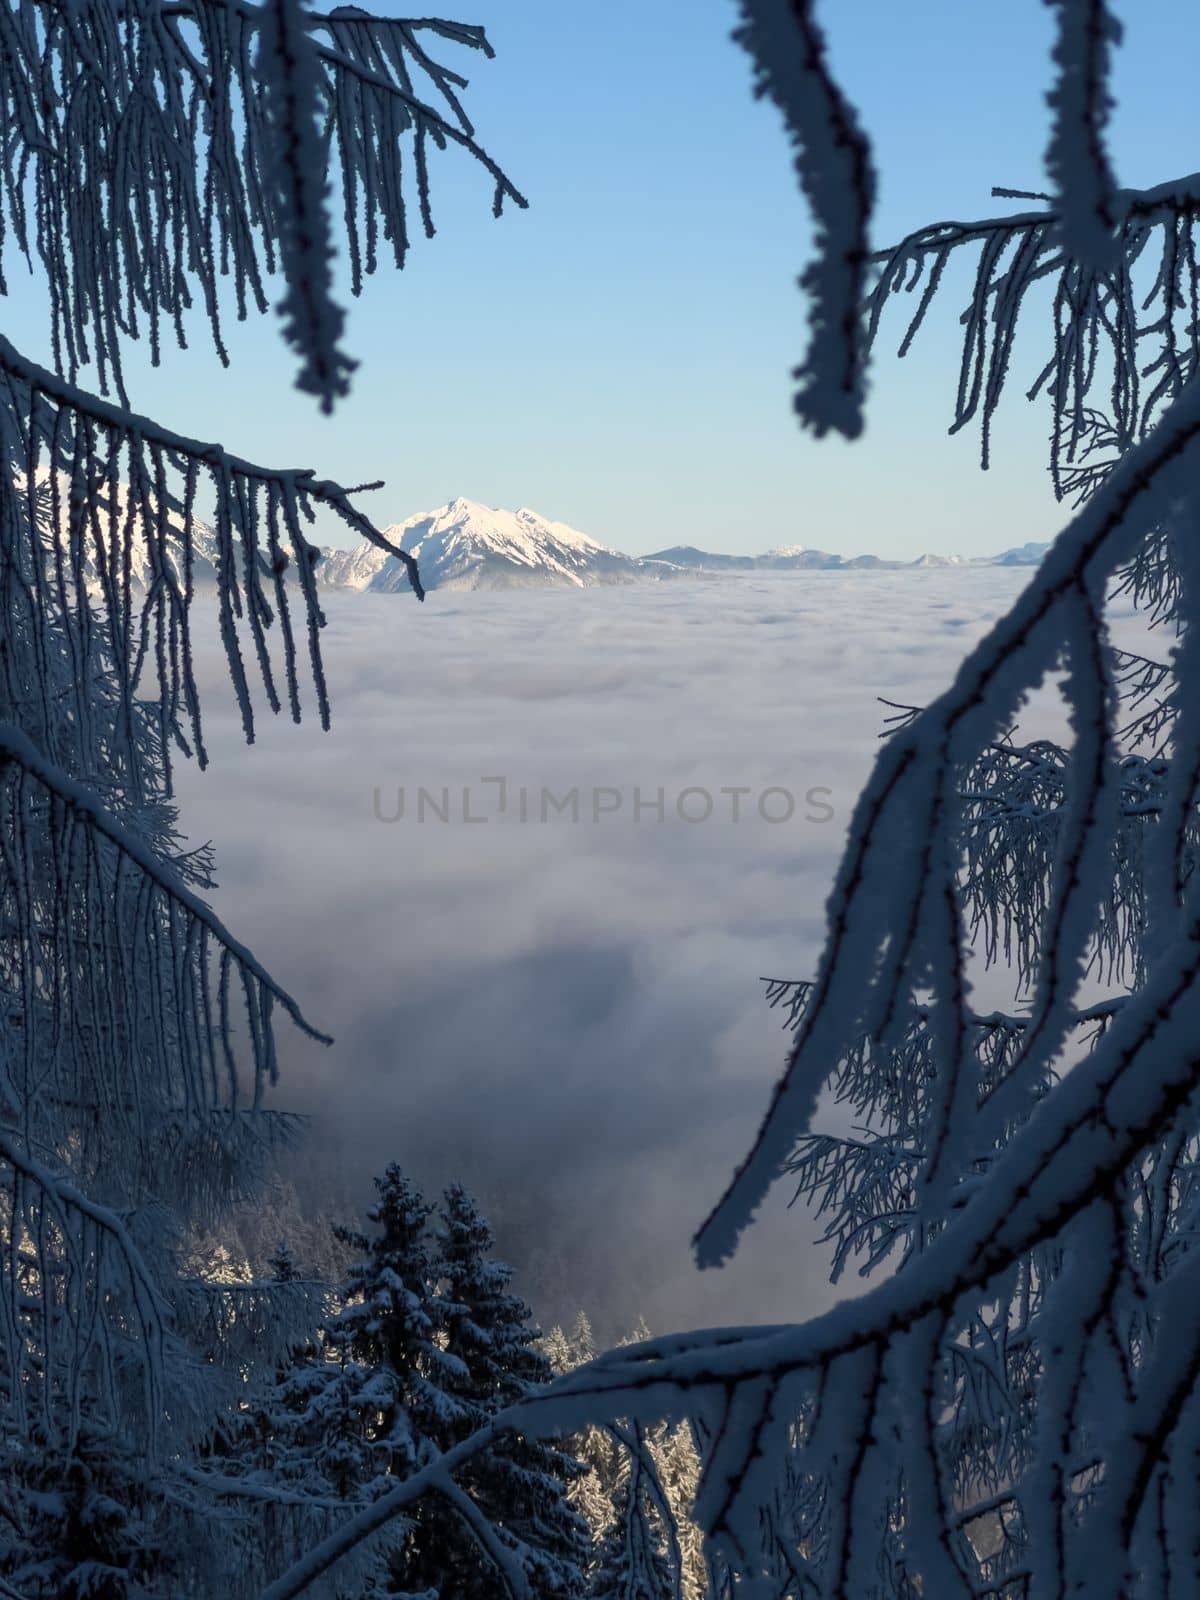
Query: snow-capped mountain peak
[[466, 545]]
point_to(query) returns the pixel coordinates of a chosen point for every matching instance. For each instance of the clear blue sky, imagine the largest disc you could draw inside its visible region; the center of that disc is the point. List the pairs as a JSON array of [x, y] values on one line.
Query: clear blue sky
[[618, 356]]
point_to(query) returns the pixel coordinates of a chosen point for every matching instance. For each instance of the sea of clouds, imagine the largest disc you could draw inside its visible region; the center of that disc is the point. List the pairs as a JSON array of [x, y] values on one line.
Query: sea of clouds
[[559, 1001]]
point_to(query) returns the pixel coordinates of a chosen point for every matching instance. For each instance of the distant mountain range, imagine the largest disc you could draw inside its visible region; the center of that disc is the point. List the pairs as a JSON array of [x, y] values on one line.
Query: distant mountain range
[[464, 545]]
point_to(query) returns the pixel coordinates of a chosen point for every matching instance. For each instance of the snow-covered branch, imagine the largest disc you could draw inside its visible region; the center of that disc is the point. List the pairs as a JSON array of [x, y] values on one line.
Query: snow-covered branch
[[119, 493], [290, 75], [833, 163], [889, 864], [77, 801], [1076, 159], [161, 161], [1134, 310]]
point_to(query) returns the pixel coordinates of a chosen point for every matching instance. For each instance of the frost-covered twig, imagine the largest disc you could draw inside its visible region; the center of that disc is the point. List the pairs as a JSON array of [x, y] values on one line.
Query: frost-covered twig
[[1076, 160], [289, 72], [833, 162], [903, 809], [121, 490], [155, 154], [77, 800], [1150, 335]]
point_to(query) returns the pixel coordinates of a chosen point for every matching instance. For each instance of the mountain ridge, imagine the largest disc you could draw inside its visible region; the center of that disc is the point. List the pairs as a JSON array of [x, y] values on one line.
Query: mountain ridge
[[465, 545]]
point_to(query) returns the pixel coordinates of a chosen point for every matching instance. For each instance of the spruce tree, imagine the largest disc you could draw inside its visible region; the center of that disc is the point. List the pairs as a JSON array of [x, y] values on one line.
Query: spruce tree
[[386, 1344], [390, 1323], [521, 1484], [86, 1524], [367, 1402]]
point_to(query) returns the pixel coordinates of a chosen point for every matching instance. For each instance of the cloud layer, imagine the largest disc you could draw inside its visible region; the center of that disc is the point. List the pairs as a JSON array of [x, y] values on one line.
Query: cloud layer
[[567, 1014]]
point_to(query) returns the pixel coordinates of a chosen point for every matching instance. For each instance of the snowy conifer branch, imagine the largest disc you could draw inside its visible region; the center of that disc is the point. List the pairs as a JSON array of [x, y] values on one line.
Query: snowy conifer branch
[[119, 492], [863, 1185], [161, 166], [1099, 406], [63, 1197], [1014, 799], [833, 163], [111, 903], [289, 71], [903, 801], [1076, 159], [77, 800], [428, 1479], [1147, 691]]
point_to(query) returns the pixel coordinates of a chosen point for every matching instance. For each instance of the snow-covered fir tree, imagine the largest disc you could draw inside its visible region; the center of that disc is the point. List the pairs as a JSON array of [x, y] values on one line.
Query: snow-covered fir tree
[[424, 1341], [522, 1485], [389, 1358], [366, 1401], [283, 1263]]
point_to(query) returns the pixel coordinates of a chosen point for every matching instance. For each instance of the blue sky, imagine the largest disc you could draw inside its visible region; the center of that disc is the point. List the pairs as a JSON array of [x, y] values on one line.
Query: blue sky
[[618, 356]]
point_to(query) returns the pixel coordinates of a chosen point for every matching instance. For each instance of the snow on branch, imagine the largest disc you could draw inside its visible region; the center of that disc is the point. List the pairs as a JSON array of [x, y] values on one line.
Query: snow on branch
[[1076, 159], [863, 1183], [78, 804], [122, 1049], [112, 534], [83, 895], [289, 68], [883, 913], [1147, 690], [1125, 337], [163, 164], [833, 163], [1014, 799], [66, 1203]]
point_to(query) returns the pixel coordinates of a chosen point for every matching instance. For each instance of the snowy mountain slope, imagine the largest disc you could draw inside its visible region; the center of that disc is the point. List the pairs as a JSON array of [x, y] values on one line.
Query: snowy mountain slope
[[465, 545], [799, 558], [939, 561]]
